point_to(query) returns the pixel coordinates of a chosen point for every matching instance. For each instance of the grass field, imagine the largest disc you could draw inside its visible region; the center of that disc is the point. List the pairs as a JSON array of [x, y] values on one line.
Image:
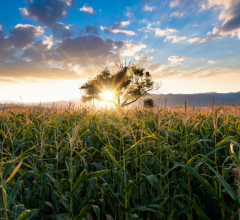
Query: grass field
[[109, 164]]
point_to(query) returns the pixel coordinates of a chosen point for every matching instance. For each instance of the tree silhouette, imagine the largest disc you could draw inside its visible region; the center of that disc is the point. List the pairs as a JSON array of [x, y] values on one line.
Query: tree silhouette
[[148, 103], [128, 83]]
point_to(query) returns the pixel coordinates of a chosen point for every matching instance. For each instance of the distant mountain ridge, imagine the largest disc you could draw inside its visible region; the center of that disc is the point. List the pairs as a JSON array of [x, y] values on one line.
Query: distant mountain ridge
[[198, 99], [161, 100]]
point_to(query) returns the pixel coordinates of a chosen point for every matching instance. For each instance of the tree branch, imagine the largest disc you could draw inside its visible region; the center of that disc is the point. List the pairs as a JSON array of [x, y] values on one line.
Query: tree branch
[[130, 102]]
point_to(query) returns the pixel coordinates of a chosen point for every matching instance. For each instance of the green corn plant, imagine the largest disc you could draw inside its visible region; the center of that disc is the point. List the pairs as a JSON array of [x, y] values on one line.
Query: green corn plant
[[129, 164]]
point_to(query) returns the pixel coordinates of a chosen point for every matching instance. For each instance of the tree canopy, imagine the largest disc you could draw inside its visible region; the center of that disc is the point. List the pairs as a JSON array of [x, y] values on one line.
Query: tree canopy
[[127, 84]]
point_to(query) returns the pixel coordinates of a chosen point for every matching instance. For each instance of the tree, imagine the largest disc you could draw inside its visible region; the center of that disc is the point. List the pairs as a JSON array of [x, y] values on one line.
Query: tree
[[148, 103], [127, 84]]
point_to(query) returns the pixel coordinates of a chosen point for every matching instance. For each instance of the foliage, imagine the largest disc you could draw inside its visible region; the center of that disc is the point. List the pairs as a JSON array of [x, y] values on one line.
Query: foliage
[[128, 83], [148, 103], [119, 165]]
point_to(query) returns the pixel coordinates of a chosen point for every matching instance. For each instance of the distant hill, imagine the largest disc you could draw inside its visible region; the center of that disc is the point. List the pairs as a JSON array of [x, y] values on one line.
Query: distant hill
[[200, 99], [172, 100]]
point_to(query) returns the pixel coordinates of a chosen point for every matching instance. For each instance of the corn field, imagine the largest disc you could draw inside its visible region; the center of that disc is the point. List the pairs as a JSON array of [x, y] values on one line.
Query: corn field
[[88, 164]]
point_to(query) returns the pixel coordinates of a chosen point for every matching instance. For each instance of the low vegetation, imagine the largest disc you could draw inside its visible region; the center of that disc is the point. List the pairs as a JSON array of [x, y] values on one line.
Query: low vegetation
[[131, 164]]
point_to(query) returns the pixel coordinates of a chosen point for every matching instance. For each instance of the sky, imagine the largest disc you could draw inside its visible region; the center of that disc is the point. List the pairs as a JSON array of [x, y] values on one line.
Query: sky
[[49, 48]]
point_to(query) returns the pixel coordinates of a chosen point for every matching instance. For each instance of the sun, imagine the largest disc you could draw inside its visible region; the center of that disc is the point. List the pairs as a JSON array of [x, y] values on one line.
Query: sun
[[107, 95]]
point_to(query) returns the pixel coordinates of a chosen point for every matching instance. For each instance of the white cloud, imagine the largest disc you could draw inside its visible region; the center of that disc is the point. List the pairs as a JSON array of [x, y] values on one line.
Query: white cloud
[[176, 59], [203, 40], [147, 29], [177, 14], [124, 23], [164, 72], [230, 15], [48, 41], [130, 49], [23, 11], [168, 32], [115, 28], [87, 8], [38, 30], [143, 58], [128, 14], [174, 3], [212, 61], [148, 8], [161, 32], [150, 51], [218, 30], [153, 68], [174, 38], [116, 31], [67, 2]]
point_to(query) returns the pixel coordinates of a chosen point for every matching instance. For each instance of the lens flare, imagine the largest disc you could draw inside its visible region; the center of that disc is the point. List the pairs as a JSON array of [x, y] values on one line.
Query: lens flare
[[107, 95]]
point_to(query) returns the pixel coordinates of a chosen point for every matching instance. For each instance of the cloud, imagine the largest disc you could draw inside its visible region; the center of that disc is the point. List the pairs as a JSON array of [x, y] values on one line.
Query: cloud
[[174, 3], [230, 15], [164, 32], [152, 67], [86, 8], [23, 69], [61, 30], [131, 33], [117, 31], [39, 51], [87, 48], [115, 28], [46, 12], [128, 14], [24, 11], [150, 51], [130, 49], [7, 52], [212, 61], [148, 8], [8, 80], [71, 58], [4, 42], [161, 32], [91, 29], [167, 72], [68, 58], [22, 35], [177, 14], [203, 40], [176, 59], [183, 3], [143, 59], [174, 38], [209, 72], [147, 29], [124, 23]]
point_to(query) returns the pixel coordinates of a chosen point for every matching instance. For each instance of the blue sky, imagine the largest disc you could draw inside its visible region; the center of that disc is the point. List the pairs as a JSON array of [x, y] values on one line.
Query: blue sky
[[49, 48]]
